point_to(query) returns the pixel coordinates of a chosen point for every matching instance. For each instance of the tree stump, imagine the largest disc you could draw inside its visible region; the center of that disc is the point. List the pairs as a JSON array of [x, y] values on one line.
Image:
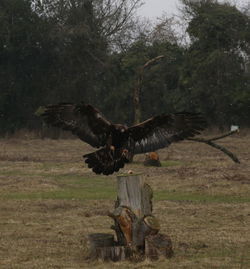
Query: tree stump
[[99, 243], [135, 226], [158, 245], [152, 159]]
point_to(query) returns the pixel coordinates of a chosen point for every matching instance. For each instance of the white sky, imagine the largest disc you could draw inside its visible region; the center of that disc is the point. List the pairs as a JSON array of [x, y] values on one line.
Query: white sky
[[155, 8]]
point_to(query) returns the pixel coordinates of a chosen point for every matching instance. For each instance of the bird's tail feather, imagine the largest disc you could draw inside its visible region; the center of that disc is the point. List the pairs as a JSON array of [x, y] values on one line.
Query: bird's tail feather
[[105, 161]]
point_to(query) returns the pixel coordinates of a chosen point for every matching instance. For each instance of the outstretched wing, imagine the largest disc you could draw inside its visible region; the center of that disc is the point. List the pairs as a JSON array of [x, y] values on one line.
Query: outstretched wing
[[160, 131], [82, 120]]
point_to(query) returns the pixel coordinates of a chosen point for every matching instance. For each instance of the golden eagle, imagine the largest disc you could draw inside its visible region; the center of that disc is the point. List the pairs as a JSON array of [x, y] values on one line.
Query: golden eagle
[[117, 142]]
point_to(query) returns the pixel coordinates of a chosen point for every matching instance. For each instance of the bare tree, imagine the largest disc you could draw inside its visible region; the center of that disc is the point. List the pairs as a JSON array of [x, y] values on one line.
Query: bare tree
[[138, 86], [117, 18], [165, 30]]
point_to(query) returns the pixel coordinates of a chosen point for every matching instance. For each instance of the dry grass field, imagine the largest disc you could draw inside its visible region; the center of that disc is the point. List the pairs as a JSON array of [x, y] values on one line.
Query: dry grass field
[[50, 201]]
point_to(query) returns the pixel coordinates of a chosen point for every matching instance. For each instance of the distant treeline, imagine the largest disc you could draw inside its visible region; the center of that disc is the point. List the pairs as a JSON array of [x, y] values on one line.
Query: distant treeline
[[92, 50]]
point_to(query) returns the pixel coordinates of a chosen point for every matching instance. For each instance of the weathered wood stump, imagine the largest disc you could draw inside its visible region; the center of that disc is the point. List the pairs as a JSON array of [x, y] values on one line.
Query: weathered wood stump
[[103, 247], [152, 159], [158, 245], [135, 226]]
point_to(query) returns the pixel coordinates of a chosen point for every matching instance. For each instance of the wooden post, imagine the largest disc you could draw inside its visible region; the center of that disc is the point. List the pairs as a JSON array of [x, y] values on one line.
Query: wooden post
[[132, 206], [135, 226], [135, 194]]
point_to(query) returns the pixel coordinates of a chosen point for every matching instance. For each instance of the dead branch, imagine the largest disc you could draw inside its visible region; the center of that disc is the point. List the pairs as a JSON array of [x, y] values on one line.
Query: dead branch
[[138, 87], [219, 147], [114, 15], [137, 112], [152, 61]]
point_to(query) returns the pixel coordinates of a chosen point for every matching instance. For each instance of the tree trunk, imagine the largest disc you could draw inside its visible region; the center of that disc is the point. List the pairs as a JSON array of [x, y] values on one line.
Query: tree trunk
[[134, 221], [138, 87], [134, 225]]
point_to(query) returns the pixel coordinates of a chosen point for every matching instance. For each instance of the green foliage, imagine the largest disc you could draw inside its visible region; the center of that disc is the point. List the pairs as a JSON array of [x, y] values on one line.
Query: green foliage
[[214, 74], [25, 59], [215, 25], [46, 59], [59, 51], [159, 82]]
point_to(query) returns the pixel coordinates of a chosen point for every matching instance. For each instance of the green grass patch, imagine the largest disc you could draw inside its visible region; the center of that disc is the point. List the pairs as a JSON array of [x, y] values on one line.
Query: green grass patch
[[72, 187], [69, 194], [75, 186], [90, 183], [199, 198], [107, 190], [11, 173]]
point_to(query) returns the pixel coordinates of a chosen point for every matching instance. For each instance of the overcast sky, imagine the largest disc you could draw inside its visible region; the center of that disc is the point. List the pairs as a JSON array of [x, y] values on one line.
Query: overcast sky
[[154, 8]]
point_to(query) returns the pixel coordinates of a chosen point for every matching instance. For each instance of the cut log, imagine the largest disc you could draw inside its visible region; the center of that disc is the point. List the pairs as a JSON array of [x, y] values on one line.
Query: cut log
[[133, 193], [99, 241], [153, 224], [158, 245], [129, 192], [152, 159], [135, 227], [133, 212], [124, 217]]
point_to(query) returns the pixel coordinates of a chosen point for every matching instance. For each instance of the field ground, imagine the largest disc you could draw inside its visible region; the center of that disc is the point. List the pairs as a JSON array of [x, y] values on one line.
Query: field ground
[[50, 201]]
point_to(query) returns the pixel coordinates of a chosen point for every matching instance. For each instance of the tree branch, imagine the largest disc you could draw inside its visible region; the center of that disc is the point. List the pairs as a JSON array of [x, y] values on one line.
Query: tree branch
[[138, 87], [137, 111], [219, 147]]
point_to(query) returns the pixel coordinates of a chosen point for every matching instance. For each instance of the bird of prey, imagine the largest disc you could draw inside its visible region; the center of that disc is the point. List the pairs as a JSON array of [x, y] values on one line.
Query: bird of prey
[[116, 143]]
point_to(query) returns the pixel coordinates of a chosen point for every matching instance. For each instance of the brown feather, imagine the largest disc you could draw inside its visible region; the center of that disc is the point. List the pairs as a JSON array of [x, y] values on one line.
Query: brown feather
[[82, 120], [118, 142], [160, 131]]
